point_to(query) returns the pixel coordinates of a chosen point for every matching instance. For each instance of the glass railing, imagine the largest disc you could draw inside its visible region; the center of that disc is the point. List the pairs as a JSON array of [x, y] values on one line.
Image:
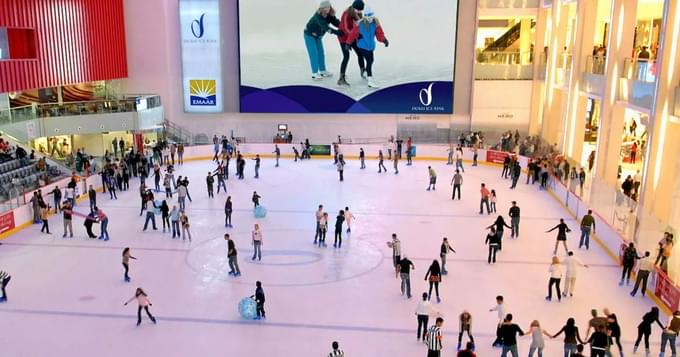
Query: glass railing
[[504, 65], [505, 4], [595, 64], [639, 69], [563, 69], [47, 110]]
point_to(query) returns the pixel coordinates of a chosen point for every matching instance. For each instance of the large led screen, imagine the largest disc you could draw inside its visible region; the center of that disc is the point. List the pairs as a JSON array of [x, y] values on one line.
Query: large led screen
[[343, 56]]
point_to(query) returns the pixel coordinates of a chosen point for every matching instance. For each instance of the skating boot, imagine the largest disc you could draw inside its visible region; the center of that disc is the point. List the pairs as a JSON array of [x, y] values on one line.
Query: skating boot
[[372, 84], [325, 74], [363, 73], [342, 81], [316, 77]]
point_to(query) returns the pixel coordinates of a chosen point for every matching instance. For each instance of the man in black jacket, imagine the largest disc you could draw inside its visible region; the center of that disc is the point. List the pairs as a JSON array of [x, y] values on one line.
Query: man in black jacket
[[259, 299], [514, 220]]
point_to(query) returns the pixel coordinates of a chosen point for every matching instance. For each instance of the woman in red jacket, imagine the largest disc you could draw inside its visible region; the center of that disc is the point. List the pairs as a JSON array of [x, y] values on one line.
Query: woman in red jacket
[[348, 41]]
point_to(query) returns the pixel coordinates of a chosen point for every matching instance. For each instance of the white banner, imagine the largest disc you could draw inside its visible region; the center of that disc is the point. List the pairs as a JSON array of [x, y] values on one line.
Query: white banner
[[201, 55]]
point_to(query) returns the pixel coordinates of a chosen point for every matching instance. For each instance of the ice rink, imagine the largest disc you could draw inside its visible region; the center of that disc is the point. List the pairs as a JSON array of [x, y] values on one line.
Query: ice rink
[[66, 295]]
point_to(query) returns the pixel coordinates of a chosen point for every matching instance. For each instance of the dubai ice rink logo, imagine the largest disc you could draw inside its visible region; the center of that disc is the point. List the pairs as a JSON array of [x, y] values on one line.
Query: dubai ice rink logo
[[198, 30], [427, 92], [203, 92]]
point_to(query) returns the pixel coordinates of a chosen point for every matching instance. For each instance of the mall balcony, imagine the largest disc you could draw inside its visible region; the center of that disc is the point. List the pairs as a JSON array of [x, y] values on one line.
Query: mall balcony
[[594, 76], [504, 65], [638, 82]]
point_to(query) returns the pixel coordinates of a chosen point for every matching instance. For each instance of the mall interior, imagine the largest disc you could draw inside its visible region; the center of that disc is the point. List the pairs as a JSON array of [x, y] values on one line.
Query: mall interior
[[592, 85]]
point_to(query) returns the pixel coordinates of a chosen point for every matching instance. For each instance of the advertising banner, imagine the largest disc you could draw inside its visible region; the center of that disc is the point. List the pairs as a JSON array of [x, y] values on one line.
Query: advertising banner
[[199, 22], [344, 56], [496, 157], [666, 291], [6, 222]]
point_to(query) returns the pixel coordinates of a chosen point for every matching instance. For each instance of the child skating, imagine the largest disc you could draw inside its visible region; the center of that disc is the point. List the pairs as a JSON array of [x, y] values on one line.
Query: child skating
[[367, 31], [144, 303], [126, 263]]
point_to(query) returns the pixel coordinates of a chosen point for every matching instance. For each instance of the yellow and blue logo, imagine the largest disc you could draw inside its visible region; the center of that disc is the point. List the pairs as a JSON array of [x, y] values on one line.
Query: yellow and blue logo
[[203, 92]]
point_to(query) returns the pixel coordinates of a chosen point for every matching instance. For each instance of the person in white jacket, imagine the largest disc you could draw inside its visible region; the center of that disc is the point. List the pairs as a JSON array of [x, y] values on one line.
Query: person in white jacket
[[572, 264], [144, 303], [349, 217]]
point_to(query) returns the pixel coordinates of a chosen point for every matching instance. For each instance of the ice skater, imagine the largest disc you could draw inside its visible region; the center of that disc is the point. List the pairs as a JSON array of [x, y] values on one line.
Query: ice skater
[[362, 158], [499, 224], [257, 242], [144, 303], [492, 201], [433, 178], [562, 230], [537, 343], [572, 338], [126, 263], [4, 281], [423, 311], [629, 258], [555, 271], [257, 165], [341, 167], [349, 218], [228, 210], [184, 221], [277, 153], [465, 326], [434, 277], [348, 40], [444, 250], [44, 215], [323, 229], [670, 334], [514, 220], [317, 26], [368, 30], [645, 267], [404, 269], [336, 352], [381, 163], [259, 299], [493, 242], [395, 245], [232, 256], [500, 310], [484, 199], [572, 264], [645, 328], [458, 156], [256, 199], [104, 221], [210, 181], [339, 220], [456, 182]]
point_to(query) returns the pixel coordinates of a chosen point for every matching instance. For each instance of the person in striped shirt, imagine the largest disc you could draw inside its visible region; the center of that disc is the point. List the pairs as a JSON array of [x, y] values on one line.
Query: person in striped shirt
[[337, 352], [434, 339]]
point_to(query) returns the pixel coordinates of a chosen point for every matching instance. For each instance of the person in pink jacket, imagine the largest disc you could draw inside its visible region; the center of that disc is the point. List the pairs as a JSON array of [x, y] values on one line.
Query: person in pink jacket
[[348, 41], [144, 303]]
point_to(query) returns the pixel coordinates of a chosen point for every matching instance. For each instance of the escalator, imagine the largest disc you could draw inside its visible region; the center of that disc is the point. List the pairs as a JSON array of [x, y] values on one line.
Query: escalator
[[508, 39]]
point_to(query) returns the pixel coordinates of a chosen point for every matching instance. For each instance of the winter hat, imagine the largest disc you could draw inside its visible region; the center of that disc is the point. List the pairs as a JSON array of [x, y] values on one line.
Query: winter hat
[[325, 5], [358, 5], [368, 12]]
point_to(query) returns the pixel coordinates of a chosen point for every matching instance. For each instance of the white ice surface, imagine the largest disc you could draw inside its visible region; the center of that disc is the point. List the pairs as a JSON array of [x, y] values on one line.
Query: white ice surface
[[66, 296]]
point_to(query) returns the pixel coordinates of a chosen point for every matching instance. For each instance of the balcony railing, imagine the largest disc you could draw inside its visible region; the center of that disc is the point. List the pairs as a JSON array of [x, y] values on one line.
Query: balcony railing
[[47, 110], [595, 64], [639, 69], [505, 4], [504, 65]]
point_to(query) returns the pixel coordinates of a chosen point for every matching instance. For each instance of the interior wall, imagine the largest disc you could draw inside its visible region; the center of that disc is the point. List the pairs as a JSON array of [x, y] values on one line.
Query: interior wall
[[502, 105], [154, 58]]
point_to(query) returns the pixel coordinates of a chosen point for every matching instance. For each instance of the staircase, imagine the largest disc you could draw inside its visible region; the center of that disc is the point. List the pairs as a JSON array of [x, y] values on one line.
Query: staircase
[[177, 133]]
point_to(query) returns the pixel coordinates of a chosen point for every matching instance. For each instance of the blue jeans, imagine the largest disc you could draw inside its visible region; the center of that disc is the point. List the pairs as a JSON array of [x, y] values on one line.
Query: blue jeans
[[257, 252], [512, 349], [539, 350], [317, 58], [569, 349], [585, 237], [459, 165], [180, 201], [666, 337], [150, 216], [175, 229], [105, 224]]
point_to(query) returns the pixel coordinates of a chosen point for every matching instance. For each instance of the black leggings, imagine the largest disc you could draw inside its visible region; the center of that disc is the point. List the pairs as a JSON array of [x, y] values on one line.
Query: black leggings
[[166, 221], [422, 325], [625, 274], [556, 282], [597, 353], [346, 54], [3, 285], [460, 336], [338, 237], [227, 217], [139, 314], [127, 270], [492, 253], [616, 340], [45, 226], [436, 288], [645, 334], [368, 55], [260, 309]]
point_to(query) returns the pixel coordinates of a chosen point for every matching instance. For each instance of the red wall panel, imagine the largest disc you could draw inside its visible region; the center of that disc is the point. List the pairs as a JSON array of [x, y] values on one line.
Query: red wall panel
[[75, 41]]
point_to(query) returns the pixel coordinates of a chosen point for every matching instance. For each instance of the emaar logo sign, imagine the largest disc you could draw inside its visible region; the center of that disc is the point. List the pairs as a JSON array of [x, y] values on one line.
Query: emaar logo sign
[[197, 28], [425, 95]]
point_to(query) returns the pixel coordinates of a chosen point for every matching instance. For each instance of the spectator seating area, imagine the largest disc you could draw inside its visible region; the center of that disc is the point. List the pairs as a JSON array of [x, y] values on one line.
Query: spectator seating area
[[17, 176]]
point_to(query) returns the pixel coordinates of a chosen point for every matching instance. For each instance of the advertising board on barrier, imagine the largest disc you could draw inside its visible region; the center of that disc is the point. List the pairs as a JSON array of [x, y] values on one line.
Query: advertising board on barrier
[[384, 56], [199, 22], [666, 291], [320, 149], [496, 156], [7, 222]]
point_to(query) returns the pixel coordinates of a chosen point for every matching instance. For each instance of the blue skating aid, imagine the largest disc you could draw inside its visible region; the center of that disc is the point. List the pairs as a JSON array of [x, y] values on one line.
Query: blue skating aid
[[247, 308]]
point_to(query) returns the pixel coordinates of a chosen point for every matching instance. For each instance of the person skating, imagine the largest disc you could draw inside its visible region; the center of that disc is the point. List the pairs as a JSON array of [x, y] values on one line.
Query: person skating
[[151, 216], [629, 258], [404, 268], [362, 158], [56, 196], [44, 215], [317, 26], [323, 229], [645, 328], [537, 343], [341, 167], [587, 227], [126, 263], [339, 220], [572, 338], [318, 214], [509, 332], [175, 222], [493, 241], [500, 310], [599, 342], [67, 213], [165, 216], [181, 197], [88, 222], [257, 165], [514, 214], [613, 331], [232, 256], [349, 218], [499, 224], [645, 266], [433, 178], [562, 230], [434, 277], [492, 201], [257, 242], [669, 335], [395, 245], [367, 31], [444, 249], [92, 197], [4, 281], [184, 221], [465, 326], [572, 264], [458, 157], [256, 199], [228, 210], [423, 311], [555, 271], [336, 352], [484, 199], [144, 303], [348, 41], [396, 164], [259, 299], [277, 153], [434, 338], [104, 221], [381, 164], [209, 181], [456, 182]]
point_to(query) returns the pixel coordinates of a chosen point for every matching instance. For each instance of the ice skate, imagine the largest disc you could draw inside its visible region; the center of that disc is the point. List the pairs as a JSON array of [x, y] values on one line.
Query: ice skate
[[372, 84], [342, 81], [316, 77], [325, 74]]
